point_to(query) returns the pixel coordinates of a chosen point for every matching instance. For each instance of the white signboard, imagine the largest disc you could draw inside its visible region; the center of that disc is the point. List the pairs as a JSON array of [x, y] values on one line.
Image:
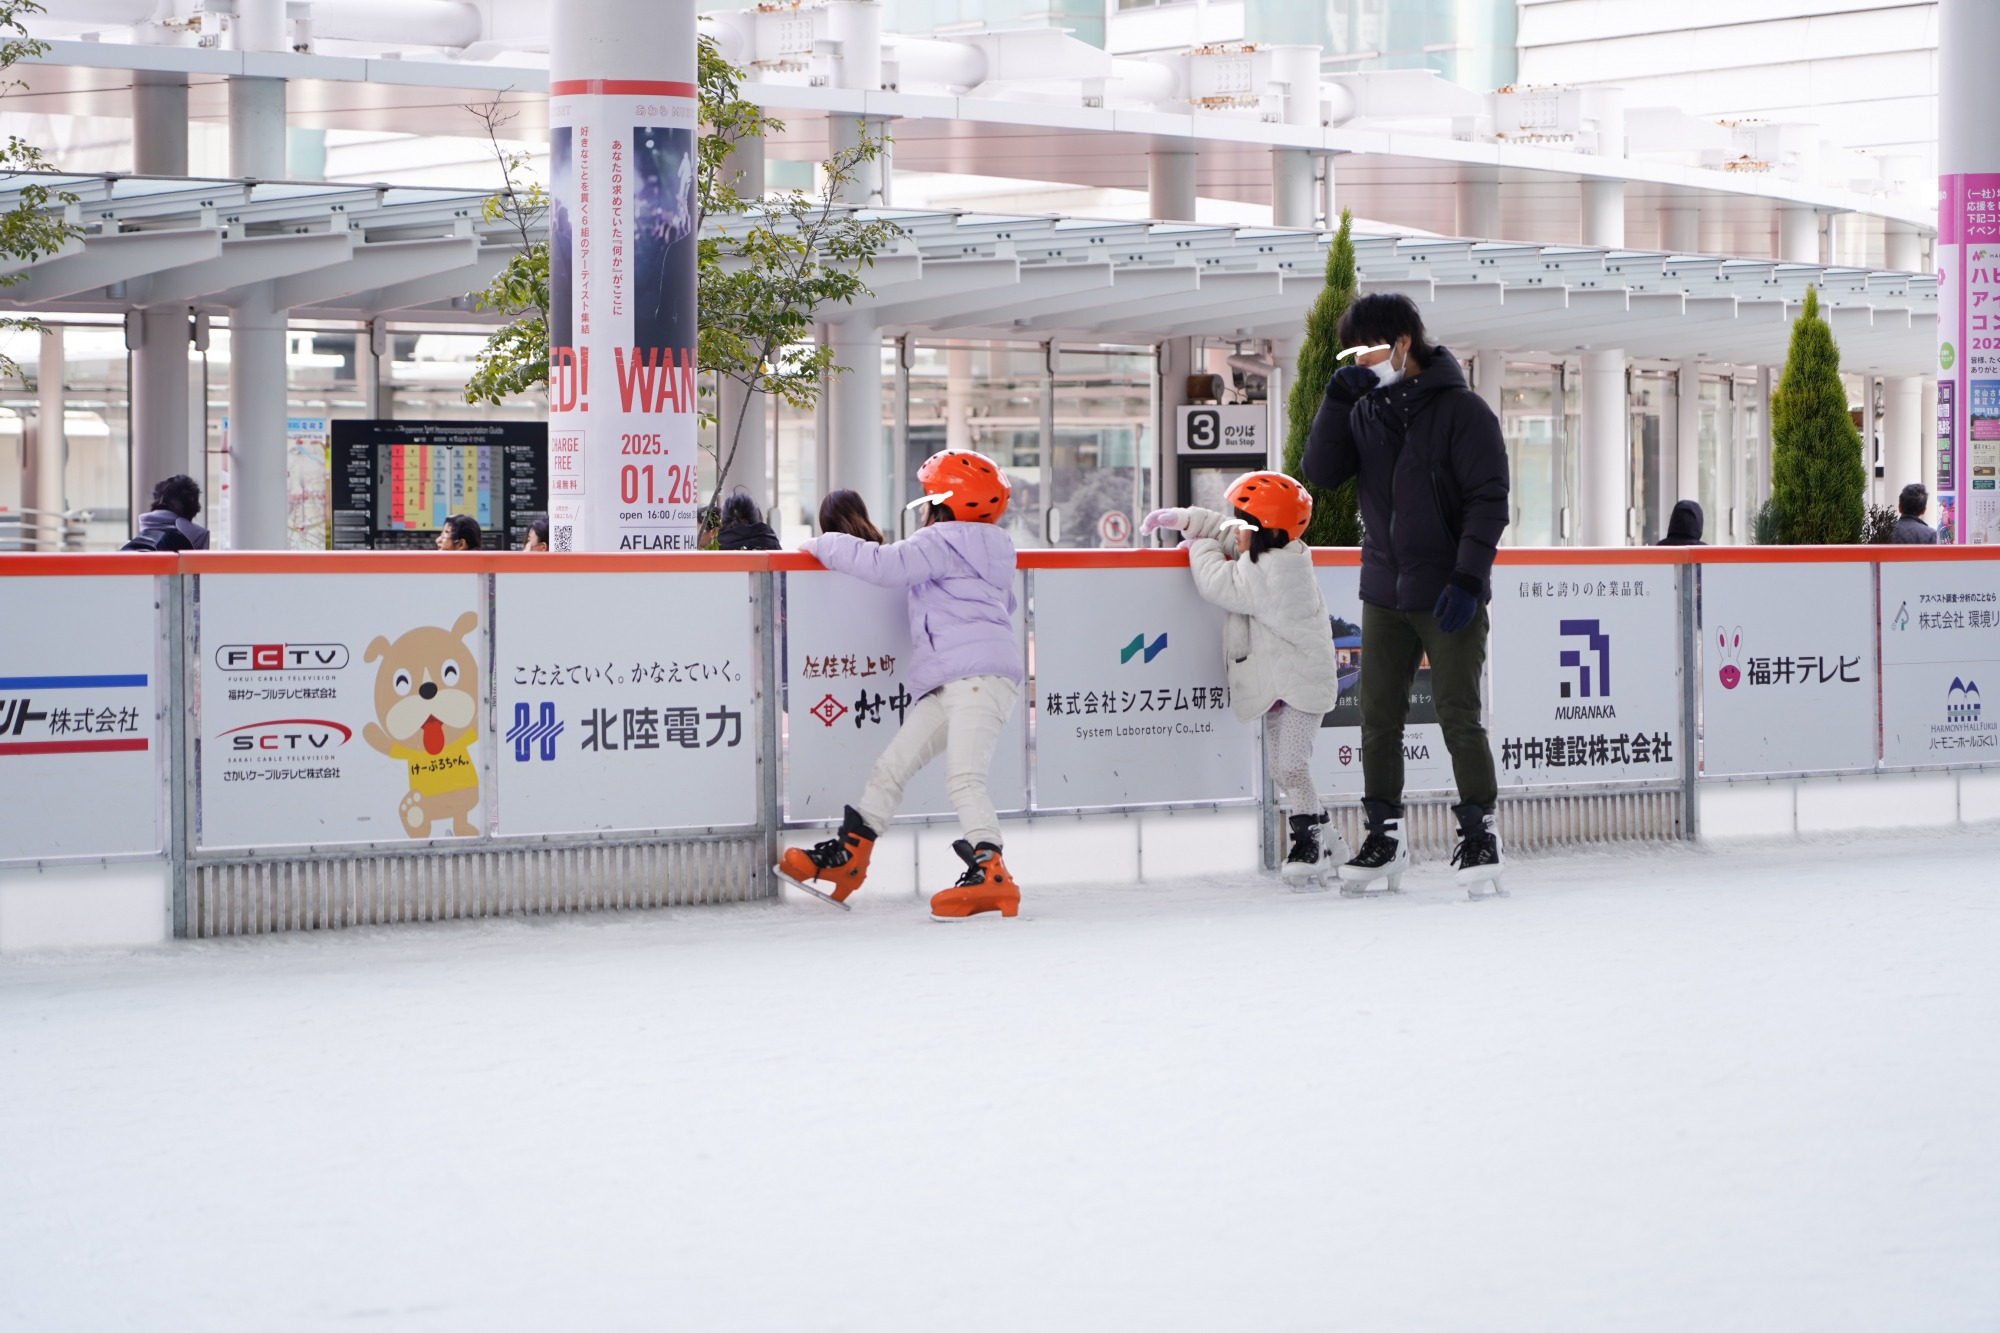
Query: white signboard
[[1132, 698], [1940, 656], [847, 654], [1337, 755], [1585, 663], [341, 708], [1238, 429], [615, 718], [1787, 668], [80, 739]]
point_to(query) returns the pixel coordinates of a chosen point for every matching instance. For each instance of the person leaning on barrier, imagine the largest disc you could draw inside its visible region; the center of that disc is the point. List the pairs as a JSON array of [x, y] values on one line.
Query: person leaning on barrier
[[846, 511], [1431, 468], [460, 533], [1911, 530], [743, 528], [169, 525], [538, 537], [1684, 527]]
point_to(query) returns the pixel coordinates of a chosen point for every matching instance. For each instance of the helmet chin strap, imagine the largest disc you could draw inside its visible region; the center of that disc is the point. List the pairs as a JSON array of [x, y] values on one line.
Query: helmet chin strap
[[937, 499]]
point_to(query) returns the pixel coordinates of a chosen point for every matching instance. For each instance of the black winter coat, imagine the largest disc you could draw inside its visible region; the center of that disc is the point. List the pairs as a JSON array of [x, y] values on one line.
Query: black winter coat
[[748, 537], [1433, 482]]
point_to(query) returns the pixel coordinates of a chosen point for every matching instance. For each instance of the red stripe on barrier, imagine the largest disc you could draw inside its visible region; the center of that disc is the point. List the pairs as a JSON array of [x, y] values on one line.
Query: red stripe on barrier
[[61, 564], [72, 747], [620, 88]]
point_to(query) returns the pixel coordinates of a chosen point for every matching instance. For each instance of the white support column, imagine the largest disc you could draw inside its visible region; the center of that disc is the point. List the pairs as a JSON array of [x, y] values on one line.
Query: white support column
[[1479, 205], [958, 398], [1292, 187], [1604, 213], [744, 452], [257, 128], [1902, 433], [1284, 351], [159, 124], [159, 397], [856, 457], [1687, 437], [1170, 180], [1798, 235], [870, 186], [371, 372], [1680, 227], [1488, 373], [1602, 461], [1903, 248], [258, 502], [42, 478]]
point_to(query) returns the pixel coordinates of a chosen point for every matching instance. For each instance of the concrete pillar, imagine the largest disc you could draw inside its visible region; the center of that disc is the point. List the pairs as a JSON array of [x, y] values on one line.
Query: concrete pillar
[[745, 452], [1285, 352], [1328, 196], [1798, 235], [870, 186], [159, 124], [958, 398], [42, 482], [1170, 180], [1680, 227], [1292, 186], [857, 459], [1902, 248], [1902, 433], [371, 373], [260, 26], [257, 128], [1488, 374], [1604, 213], [1479, 206], [159, 397], [745, 169], [258, 500], [1686, 469], [1603, 455], [1174, 362]]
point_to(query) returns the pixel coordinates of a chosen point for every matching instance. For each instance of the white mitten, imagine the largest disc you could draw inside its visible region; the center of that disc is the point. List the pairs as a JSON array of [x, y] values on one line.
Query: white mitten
[[1162, 518]]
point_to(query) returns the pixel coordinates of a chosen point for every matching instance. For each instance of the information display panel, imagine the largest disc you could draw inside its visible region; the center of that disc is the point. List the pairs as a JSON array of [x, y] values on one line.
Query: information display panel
[[395, 482]]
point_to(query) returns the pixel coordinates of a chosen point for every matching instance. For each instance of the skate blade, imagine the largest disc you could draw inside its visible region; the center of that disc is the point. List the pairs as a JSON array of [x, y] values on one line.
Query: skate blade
[[976, 916], [826, 898], [1478, 890], [1380, 887]]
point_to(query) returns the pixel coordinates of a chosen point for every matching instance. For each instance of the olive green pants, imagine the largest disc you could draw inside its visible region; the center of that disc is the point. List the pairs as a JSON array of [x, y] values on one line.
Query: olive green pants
[[1393, 645]]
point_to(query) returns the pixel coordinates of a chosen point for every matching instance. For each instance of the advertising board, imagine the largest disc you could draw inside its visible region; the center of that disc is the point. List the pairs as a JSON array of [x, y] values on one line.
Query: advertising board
[[610, 717], [1337, 755], [341, 708], [1940, 651]]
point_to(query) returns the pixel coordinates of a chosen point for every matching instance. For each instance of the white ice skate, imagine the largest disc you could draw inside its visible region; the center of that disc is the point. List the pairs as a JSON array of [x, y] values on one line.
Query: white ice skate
[[1316, 853], [1378, 867], [1478, 856]]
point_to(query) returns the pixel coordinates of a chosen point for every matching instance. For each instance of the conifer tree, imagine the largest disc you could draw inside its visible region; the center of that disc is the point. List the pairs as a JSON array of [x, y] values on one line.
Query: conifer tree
[[1818, 479], [1336, 519]]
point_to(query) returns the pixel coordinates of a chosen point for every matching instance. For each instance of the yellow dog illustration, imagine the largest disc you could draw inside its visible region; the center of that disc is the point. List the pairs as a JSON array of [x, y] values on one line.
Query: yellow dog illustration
[[427, 703]]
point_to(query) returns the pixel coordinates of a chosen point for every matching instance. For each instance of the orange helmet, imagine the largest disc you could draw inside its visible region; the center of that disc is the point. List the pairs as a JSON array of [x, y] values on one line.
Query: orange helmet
[[1274, 502], [971, 483]]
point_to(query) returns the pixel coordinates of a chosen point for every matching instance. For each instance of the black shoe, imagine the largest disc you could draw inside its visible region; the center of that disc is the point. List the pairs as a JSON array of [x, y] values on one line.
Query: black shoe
[[1384, 854], [1478, 856], [838, 851], [1309, 849]]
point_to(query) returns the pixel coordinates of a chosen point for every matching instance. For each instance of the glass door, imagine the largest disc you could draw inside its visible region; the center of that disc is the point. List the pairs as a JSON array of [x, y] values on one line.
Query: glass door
[[1102, 457], [1655, 419]]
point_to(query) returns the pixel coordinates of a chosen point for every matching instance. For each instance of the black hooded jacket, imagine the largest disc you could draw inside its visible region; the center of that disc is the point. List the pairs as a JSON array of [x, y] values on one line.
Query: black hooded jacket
[[1433, 482], [1684, 526], [748, 537]]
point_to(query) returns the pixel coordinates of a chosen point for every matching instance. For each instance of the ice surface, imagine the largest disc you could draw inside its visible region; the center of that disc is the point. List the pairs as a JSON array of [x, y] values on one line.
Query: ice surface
[[1755, 1089]]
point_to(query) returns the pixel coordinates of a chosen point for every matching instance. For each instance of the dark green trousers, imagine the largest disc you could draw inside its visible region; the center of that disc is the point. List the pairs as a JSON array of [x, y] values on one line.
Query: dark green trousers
[[1393, 645]]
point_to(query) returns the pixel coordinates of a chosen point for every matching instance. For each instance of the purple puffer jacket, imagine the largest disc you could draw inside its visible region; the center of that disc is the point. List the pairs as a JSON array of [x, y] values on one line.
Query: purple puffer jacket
[[961, 582]]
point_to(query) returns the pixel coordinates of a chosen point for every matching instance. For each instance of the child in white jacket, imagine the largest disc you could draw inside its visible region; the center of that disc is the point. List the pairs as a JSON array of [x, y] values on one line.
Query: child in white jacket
[[1278, 642]]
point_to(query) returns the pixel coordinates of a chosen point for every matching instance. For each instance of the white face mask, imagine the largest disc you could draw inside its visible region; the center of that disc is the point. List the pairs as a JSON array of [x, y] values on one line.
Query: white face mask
[[1388, 372]]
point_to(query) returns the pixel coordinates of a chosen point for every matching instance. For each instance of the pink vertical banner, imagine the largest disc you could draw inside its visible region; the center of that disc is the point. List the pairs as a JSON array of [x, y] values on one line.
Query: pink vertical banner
[[1969, 355]]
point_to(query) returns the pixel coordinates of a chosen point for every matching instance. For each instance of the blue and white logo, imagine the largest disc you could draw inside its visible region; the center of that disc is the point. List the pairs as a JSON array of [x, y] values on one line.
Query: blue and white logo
[[1595, 657], [527, 736]]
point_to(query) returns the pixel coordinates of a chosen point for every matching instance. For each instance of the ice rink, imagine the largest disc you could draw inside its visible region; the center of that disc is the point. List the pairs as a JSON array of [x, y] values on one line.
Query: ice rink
[[1683, 1089]]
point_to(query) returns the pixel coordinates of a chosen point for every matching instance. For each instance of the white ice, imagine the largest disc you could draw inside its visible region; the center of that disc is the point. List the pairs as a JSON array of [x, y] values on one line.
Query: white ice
[[1686, 1090]]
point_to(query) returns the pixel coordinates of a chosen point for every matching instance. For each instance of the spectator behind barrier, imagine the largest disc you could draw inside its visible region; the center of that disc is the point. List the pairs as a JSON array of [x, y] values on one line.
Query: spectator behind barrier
[[1910, 529], [1684, 528], [459, 533], [743, 527], [846, 511], [170, 525], [538, 537]]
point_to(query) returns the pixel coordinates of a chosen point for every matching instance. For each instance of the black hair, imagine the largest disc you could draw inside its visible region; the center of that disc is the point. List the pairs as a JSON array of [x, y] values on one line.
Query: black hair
[[1264, 539], [1913, 500], [737, 508], [1383, 317], [846, 511], [540, 527], [179, 495], [939, 514], [464, 528]]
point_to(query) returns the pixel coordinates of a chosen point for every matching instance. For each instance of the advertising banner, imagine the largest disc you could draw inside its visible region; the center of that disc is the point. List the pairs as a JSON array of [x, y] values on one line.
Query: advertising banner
[[1968, 270], [1132, 699], [1940, 646], [80, 735], [622, 334], [1337, 756], [846, 669], [1586, 671], [341, 708], [1788, 668], [613, 719]]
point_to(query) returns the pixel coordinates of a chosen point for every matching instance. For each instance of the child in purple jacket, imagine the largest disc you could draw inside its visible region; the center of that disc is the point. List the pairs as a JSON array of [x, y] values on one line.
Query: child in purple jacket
[[965, 668]]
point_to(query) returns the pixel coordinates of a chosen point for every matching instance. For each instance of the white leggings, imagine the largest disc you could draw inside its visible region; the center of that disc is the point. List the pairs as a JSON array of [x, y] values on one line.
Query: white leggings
[[1288, 739], [961, 720]]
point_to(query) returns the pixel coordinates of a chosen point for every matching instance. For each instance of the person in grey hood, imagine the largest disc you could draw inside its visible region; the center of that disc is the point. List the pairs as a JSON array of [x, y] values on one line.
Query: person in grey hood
[[1910, 529], [1431, 472], [1684, 526], [170, 525]]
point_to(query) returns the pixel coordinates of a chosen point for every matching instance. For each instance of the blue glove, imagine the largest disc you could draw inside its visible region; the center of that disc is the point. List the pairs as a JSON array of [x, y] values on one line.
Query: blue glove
[[1457, 604], [1355, 381]]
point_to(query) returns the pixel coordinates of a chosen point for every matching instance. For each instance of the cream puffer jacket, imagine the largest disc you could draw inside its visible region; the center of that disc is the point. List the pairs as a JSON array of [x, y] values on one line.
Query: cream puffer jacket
[[1277, 638]]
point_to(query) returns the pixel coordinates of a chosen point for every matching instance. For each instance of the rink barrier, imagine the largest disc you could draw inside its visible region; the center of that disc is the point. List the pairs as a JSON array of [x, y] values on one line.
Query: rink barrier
[[288, 882]]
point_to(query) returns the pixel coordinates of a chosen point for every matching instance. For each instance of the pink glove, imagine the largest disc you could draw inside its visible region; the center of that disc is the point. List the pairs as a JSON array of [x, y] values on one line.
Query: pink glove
[[1162, 518]]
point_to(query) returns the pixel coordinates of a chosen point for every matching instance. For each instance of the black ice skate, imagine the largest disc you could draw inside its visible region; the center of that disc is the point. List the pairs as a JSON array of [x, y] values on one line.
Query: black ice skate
[[1317, 849], [1378, 867], [1478, 856]]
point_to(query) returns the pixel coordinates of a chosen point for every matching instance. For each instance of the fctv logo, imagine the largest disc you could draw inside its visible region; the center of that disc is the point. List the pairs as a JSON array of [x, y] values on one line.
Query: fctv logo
[[281, 656]]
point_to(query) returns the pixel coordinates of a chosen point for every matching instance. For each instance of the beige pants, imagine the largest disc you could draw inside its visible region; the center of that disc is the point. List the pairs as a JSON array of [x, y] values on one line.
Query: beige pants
[[962, 721]]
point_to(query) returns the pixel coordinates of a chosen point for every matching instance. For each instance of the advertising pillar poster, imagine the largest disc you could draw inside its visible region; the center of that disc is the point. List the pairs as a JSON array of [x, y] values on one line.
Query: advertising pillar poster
[[80, 746], [1585, 663], [1968, 264], [341, 708], [613, 718], [1132, 695], [1787, 668], [622, 334], [1940, 653], [846, 668], [1337, 755]]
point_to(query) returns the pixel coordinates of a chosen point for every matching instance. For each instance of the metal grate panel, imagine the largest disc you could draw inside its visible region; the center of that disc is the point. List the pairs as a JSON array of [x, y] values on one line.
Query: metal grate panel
[[1542, 822]]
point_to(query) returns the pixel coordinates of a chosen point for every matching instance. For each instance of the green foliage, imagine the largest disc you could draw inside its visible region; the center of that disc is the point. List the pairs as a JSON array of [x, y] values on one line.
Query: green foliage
[[1336, 519], [1764, 528], [1818, 480], [1879, 528], [36, 226]]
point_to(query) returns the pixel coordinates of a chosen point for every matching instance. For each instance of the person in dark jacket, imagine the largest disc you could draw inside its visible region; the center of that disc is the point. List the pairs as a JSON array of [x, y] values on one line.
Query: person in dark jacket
[[1911, 530], [460, 533], [1431, 468], [170, 525], [1684, 527], [743, 527]]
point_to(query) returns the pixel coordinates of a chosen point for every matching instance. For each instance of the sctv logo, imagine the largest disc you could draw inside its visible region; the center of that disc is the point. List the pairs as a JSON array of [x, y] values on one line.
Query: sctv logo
[[1139, 645]]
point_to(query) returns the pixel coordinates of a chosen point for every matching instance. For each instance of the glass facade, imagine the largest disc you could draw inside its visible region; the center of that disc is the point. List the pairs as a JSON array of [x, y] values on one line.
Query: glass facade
[[1538, 417], [1467, 41]]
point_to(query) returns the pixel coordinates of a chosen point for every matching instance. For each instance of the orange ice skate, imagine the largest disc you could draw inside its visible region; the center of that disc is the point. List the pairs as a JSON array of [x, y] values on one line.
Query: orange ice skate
[[984, 887], [839, 864]]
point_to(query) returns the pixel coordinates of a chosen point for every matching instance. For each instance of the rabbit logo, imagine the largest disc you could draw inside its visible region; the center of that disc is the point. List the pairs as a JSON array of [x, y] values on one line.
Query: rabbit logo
[[1731, 643]]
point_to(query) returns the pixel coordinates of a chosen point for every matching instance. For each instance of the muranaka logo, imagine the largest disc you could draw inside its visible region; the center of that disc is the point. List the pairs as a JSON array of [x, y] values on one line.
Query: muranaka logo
[[534, 733], [1139, 645], [1592, 662]]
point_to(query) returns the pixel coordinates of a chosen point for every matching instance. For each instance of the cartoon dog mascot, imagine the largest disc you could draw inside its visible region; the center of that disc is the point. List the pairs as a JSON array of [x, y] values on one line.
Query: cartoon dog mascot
[[427, 700]]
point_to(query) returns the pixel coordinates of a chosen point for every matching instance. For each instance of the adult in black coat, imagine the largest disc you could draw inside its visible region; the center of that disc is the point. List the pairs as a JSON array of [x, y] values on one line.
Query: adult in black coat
[[743, 528], [1431, 468], [1684, 526]]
